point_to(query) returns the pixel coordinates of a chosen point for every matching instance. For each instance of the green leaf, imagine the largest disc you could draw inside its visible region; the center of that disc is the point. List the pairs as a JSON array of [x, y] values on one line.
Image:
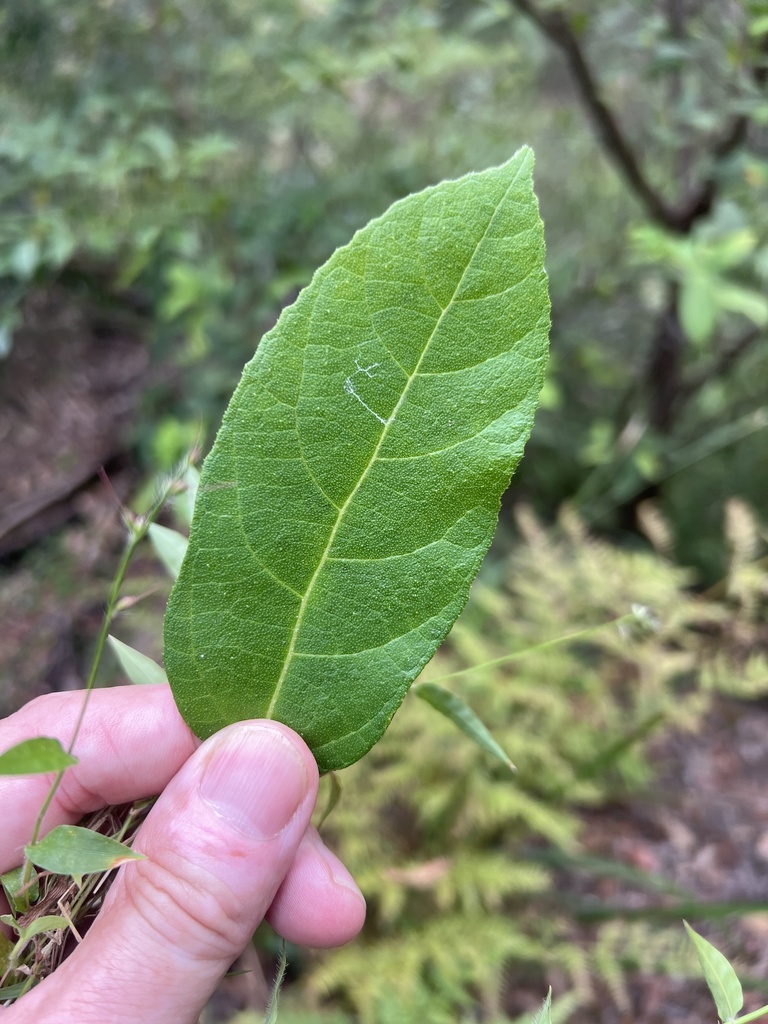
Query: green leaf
[[25, 258], [730, 250], [137, 666], [185, 501], [72, 850], [333, 798], [355, 484], [697, 307], [759, 26], [719, 975], [544, 1015], [6, 961], [48, 923], [12, 991], [463, 717], [170, 547], [747, 301], [19, 895], [35, 757]]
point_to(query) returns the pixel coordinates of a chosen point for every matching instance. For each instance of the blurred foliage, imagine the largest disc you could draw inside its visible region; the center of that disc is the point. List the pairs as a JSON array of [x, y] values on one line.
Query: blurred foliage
[[447, 844], [182, 167], [192, 163]]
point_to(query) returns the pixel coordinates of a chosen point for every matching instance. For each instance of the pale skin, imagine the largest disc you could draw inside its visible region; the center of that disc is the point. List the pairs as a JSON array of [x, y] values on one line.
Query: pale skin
[[228, 843]]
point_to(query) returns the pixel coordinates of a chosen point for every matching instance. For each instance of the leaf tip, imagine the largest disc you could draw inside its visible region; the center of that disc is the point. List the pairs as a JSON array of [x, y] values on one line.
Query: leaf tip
[[128, 857]]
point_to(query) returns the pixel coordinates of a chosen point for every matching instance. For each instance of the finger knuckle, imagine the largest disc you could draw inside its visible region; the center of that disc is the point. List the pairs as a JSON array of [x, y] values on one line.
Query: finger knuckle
[[183, 903]]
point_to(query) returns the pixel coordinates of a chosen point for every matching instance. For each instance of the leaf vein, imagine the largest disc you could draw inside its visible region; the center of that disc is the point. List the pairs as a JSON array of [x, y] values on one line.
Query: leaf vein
[[402, 554], [382, 437], [441, 451], [258, 562], [504, 291]]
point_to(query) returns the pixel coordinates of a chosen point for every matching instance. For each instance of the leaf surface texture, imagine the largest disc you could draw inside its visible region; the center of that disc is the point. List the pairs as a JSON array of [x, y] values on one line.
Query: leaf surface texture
[[355, 483]]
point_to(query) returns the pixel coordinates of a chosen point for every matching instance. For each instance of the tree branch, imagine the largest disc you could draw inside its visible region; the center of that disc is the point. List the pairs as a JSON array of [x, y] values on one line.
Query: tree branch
[[558, 30], [698, 203], [702, 197], [720, 366]]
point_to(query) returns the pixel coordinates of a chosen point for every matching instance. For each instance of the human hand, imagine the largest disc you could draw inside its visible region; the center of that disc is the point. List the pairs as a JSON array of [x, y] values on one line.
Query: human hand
[[227, 843]]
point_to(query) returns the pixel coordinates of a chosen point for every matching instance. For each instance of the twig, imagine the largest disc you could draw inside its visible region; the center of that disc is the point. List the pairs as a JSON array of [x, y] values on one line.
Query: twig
[[700, 199], [721, 365], [558, 30]]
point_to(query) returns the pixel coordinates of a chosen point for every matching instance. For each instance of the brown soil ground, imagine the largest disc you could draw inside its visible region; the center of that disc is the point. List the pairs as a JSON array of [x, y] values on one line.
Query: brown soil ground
[[68, 396], [704, 827]]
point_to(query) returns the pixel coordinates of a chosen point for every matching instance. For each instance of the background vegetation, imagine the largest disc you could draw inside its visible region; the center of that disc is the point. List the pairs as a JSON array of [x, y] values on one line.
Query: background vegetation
[[172, 171]]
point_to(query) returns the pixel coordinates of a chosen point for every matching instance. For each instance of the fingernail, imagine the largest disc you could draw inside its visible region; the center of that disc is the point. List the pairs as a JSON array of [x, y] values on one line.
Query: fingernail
[[255, 778]]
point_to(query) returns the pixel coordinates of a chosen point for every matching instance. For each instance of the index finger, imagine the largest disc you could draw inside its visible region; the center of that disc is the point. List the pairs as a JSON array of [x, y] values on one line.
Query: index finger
[[131, 744]]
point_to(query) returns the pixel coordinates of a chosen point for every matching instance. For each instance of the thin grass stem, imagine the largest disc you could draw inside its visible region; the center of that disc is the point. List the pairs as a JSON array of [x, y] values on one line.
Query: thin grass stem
[[580, 634]]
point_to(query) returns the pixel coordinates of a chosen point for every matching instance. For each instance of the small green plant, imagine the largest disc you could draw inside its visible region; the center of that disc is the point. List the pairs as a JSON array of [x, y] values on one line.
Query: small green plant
[[722, 981]]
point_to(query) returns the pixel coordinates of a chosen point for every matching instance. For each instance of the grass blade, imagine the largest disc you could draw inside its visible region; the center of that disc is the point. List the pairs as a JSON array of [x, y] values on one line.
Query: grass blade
[[72, 850], [719, 975], [463, 717], [137, 666], [170, 547], [544, 1016]]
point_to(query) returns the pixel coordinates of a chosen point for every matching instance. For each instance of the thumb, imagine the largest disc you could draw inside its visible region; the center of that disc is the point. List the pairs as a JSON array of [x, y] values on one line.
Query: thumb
[[218, 843]]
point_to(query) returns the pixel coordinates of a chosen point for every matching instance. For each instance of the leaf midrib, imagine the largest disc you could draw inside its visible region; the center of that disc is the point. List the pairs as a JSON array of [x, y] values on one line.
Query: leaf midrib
[[371, 462]]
